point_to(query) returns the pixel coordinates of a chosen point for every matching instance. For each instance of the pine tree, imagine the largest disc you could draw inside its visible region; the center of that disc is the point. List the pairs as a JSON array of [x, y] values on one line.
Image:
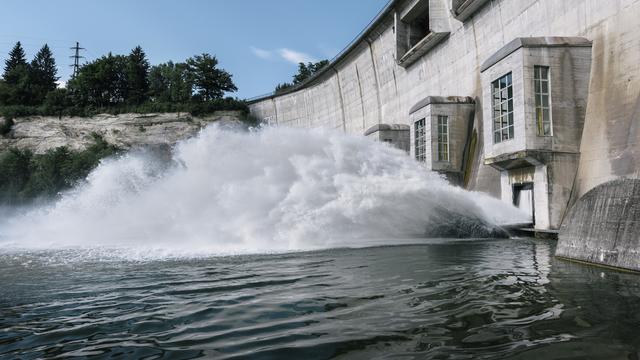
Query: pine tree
[[43, 74], [305, 71], [137, 76], [308, 70], [15, 66]]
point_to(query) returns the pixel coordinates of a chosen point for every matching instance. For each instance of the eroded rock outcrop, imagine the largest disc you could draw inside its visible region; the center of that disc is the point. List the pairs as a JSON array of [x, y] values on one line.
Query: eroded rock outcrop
[[42, 133]]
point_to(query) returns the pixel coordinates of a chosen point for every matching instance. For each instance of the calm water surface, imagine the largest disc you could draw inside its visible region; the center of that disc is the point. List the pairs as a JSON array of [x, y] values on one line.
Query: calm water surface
[[489, 299]]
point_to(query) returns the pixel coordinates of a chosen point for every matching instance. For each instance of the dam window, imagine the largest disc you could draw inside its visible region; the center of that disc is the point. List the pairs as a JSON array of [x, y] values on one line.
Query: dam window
[[420, 140], [443, 138], [417, 29], [543, 101], [502, 106]]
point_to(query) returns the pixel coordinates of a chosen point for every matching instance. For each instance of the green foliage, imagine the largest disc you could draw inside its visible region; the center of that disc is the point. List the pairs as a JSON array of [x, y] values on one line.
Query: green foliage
[[15, 111], [170, 82], [138, 76], [5, 126], [16, 77], [15, 170], [210, 82], [114, 84], [43, 73], [5, 92], [25, 176], [102, 82], [18, 86], [56, 102], [282, 87], [28, 84], [15, 65], [305, 71], [115, 79], [59, 104], [308, 70]]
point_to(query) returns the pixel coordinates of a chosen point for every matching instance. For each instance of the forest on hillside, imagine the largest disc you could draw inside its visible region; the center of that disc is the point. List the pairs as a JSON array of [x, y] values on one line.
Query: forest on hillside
[[114, 84]]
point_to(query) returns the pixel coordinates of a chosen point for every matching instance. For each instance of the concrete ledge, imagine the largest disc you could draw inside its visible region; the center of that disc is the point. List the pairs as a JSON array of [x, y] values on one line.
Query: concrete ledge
[[386, 127], [533, 42], [536, 233], [467, 8], [441, 100], [603, 227], [514, 160], [422, 47]]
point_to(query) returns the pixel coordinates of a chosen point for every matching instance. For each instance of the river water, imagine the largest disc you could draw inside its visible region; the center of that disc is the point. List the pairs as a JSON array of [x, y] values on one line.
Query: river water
[[292, 244], [440, 299]]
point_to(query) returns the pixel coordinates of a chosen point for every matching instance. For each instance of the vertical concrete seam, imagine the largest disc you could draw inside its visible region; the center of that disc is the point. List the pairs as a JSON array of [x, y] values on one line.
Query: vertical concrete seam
[[275, 110], [344, 124], [375, 78], [364, 126], [306, 107], [395, 82], [625, 210]]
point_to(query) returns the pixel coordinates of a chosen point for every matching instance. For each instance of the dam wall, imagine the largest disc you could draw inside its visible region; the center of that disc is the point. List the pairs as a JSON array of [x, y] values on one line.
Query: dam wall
[[540, 148], [367, 86], [603, 226]]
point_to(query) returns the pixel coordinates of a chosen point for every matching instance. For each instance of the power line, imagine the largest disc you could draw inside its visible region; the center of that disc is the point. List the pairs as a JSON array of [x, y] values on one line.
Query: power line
[[76, 58]]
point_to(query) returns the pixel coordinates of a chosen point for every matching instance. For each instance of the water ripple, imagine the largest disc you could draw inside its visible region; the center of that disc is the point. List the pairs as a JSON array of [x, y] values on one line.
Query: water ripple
[[477, 299]]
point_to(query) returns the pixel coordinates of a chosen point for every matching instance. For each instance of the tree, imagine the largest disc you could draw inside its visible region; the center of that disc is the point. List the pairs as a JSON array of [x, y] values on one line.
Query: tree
[[102, 82], [15, 66], [308, 70], [16, 78], [137, 76], [5, 93], [43, 73], [57, 101], [305, 71], [282, 87], [210, 82], [14, 172], [170, 82]]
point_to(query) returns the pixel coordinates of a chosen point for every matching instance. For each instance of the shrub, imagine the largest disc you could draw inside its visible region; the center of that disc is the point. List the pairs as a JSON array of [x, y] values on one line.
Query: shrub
[[5, 126], [58, 103], [24, 176], [14, 173], [14, 111]]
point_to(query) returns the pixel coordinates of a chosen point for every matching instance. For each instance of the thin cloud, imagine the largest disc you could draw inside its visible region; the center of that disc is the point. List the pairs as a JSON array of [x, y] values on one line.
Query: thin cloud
[[295, 57], [328, 51], [262, 53], [285, 54]]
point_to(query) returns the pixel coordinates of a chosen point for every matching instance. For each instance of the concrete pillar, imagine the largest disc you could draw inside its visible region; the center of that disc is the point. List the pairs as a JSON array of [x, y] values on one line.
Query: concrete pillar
[[541, 197]]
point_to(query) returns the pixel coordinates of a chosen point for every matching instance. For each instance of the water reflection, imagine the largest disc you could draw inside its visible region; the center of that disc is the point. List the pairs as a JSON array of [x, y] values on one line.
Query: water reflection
[[441, 299]]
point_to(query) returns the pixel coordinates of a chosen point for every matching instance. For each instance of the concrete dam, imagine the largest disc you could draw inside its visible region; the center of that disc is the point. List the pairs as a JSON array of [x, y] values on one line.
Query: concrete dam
[[536, 102]]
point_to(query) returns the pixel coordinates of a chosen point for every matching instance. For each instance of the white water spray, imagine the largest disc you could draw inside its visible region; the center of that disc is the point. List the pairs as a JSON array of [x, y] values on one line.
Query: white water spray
[[232, 191]]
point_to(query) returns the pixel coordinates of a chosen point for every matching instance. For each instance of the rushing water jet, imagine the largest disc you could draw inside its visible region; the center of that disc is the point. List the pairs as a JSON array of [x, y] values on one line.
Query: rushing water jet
[[274, 189]]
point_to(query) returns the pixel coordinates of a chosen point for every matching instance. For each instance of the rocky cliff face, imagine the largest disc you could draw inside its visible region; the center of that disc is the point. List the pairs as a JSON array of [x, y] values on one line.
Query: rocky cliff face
[[41, 133]]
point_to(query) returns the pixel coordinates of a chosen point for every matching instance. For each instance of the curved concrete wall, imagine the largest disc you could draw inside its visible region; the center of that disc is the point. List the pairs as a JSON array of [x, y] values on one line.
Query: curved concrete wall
[[367, 87], [604, 226]]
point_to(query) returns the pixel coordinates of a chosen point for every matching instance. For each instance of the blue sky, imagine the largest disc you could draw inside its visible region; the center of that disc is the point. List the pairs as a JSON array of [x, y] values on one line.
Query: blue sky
[[258, 41]]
